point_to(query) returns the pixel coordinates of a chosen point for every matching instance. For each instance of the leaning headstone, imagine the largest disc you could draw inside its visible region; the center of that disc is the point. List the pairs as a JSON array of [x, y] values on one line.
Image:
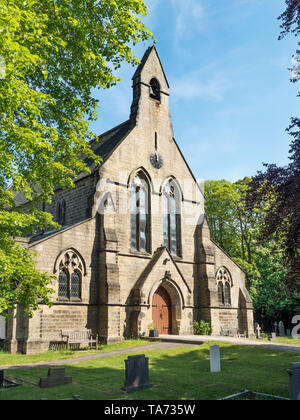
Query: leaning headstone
[[1, 378], [281, 329], [136, 372], [294, 372], [56, 376], [215, 359]]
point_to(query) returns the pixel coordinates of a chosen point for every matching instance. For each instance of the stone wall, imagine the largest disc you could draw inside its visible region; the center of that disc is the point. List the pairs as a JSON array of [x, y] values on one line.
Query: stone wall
[[28, 335], [78, 200]]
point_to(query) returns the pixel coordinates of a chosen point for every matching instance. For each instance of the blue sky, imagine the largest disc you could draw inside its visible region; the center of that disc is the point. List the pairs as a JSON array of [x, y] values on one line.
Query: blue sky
[[231, 99]]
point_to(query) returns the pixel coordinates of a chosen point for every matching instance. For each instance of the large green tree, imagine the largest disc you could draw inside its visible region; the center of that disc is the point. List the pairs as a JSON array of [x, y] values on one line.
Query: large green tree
[[238, 231], [232, 226], [53, 54], [282, 219]]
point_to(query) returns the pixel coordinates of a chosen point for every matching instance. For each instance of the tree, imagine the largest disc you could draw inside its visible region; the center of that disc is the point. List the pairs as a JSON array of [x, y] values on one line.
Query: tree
[[232, 226], [280, 186], [56, 52], [237, 230]]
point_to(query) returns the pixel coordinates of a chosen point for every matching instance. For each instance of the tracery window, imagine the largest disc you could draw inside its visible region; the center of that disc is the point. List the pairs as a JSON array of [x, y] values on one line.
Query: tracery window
[[221, 293], [154, 89], [140, 214], [224, 286], [172, 218], [70, 276]]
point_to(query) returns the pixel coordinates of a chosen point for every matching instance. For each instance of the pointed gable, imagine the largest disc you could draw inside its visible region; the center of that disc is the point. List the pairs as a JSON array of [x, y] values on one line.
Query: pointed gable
[[161, 265], [151, 58]]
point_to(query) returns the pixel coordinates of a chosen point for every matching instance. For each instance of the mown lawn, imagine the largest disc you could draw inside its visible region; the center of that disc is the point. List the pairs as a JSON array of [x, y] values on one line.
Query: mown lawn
[[7, 359], [286, 340], [176, 374]]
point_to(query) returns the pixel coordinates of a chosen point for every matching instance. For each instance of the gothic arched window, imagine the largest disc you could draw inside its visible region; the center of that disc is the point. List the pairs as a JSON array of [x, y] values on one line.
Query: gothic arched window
[[154, 89], [221, 293], [227, 294], [63, 284], [224, 286], [140, 214], [70, 276], [61, 212], [75, 285], [172, 218]]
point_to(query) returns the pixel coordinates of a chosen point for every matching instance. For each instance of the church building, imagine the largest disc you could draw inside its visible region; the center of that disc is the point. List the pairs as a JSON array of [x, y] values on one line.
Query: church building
[[134, 247]]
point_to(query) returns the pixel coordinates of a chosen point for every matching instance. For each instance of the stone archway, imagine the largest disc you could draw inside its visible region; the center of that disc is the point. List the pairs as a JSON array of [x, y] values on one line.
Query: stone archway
[[166, 307]]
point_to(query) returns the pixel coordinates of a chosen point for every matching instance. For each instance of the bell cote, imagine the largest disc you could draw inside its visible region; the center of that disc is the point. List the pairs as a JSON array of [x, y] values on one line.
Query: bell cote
[[150, 89]]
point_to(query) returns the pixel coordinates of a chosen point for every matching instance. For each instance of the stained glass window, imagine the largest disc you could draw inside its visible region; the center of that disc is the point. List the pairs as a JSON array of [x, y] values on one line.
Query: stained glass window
[[139, 214], [75, 285], [70, 276], [227, 294], [172, 219], [224, 286], [63, 284], [221, 293]]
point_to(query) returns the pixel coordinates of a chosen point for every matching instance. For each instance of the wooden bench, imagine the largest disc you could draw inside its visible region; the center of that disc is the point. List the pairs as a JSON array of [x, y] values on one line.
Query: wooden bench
[[233, 332], [79, 337]]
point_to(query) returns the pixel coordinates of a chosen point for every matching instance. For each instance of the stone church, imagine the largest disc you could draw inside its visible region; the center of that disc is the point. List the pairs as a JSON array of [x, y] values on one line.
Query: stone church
[[134, 247]]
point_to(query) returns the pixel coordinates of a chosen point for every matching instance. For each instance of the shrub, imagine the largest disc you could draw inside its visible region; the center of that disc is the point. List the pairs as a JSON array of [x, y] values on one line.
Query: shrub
[[202, 328], [152, 326]]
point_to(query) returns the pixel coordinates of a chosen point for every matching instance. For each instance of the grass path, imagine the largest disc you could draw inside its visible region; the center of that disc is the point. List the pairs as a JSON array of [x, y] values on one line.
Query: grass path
[[8, 360], [94, 355]]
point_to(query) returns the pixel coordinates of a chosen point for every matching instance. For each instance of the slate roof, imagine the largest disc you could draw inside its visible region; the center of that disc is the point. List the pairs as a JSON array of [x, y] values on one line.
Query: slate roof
[[110, 140], [106, 144]]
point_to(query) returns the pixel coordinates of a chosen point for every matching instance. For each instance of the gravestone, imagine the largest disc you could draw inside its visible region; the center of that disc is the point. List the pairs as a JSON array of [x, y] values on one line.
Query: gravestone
[[294, 372], [136, 372], [56, 376], [2, 328], [288, 333], [215, 359], [275, 326], [258, 330], [273, 337], [1, 378], [281, 329]]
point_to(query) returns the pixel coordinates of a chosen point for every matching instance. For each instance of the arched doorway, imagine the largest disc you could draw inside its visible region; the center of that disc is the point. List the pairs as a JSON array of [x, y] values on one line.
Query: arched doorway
[[162, 311]]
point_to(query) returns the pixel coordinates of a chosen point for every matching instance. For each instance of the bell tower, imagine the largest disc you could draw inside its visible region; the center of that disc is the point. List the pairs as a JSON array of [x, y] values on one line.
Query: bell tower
[[150, 105]]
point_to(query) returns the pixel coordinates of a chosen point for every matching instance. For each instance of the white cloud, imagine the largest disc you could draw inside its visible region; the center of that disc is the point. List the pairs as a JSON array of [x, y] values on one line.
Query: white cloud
[[188, 13], [152, 18], [189, 16], [210, 82], [191, 89]]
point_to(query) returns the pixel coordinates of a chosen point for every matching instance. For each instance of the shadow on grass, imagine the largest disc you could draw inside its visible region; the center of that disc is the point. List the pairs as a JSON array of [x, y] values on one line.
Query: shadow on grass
[[176, 374]]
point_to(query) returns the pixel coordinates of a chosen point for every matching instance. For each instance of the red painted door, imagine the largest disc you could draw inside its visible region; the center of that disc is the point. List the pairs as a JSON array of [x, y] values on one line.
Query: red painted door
[[162, 311]]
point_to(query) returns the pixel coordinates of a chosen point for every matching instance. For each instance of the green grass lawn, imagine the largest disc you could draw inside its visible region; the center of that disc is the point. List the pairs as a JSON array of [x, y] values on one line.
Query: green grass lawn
[[286, 340], [7, 359], [176, 374]]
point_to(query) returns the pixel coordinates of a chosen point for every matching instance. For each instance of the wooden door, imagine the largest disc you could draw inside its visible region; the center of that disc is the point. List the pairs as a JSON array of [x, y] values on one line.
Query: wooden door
[[162, 311]]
